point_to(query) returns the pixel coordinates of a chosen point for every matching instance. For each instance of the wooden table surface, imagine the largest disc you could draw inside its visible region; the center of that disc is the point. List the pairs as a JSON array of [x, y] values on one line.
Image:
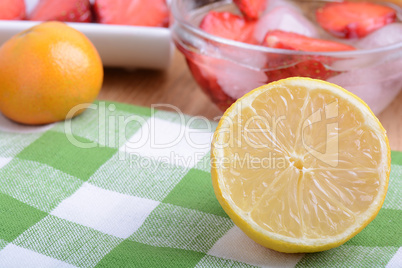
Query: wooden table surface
[[176, 86]]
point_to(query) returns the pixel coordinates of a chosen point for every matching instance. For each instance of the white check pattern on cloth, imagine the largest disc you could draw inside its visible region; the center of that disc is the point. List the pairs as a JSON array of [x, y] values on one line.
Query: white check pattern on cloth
[[174, 143], [106, 211]]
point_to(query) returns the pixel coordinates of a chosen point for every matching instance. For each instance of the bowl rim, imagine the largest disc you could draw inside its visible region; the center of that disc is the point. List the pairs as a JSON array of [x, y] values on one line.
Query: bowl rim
[[258, 48]]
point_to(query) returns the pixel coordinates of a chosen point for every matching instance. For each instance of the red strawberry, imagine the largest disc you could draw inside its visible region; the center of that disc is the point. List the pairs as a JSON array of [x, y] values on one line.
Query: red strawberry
[[229, 26], [154, 13], [312, 68], [251, 9], [209, 84], [12, 9], [354, 19], [294, 41], [203, 71], [66, 10], [309, 68]]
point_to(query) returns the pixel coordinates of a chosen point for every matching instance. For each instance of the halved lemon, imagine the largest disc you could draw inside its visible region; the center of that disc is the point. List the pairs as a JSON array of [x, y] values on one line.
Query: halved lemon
[[300, 165]]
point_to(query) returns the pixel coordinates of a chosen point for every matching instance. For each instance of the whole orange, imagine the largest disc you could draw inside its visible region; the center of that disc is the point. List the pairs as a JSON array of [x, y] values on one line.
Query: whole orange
[[47, 70]]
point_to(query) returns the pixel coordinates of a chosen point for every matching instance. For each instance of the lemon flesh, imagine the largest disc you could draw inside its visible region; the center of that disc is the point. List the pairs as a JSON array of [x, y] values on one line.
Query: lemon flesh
[[300, 165]]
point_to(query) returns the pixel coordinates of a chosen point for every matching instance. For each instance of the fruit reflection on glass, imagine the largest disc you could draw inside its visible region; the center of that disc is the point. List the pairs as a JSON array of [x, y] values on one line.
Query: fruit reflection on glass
[[233, 47]]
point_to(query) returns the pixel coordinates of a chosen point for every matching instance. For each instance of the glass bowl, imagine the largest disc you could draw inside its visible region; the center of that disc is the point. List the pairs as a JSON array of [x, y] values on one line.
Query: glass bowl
[[227, 69]]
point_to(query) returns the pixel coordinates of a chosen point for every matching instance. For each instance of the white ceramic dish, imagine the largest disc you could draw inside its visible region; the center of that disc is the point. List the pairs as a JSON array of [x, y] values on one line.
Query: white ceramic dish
[[118, 45]]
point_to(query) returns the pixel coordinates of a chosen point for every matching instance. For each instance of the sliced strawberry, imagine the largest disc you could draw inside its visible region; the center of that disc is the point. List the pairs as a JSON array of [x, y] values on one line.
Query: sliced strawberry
[[229, 26], [285, 19], [153, 13], [66, 10], [251, 9], [206, 79], [12, 9], [354, 19], [312, 68], [294, 41], [204, 73], [309, 68]]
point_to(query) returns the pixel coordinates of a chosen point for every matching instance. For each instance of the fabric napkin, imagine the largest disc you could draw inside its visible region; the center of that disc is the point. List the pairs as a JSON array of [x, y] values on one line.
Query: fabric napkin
[[127, 186]]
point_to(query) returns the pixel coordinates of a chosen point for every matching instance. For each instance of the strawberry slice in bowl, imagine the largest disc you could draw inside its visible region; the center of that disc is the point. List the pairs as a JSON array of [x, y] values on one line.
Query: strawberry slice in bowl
[[251, 9], [66, 10], [294, 41], [229, 26], [313, 66], [204, 73], [308, 68], [285, 19], [354, 19]]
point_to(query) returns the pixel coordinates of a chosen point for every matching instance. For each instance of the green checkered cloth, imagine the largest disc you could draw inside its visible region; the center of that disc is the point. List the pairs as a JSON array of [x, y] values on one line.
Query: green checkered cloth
[[127, 186]]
